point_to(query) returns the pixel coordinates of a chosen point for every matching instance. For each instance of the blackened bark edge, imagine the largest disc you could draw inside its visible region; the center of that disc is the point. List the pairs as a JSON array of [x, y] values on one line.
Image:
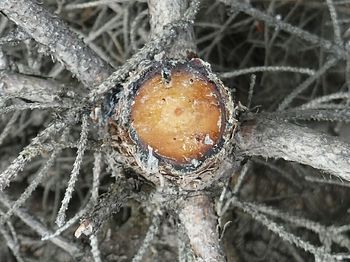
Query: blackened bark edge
[[197, 213], [49, 30]]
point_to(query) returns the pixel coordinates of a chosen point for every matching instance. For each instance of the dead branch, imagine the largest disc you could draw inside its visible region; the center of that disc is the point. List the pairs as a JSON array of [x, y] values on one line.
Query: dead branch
[[35, 89], [338, 51], [156, 46], [63, 44], [34, 149], [38, 227], [276, 139], [200, 222], [163, 13], [196, 214]]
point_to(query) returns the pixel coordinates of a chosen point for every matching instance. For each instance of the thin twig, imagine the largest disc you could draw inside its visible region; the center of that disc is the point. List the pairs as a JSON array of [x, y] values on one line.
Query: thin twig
[[70, 247], [74, 175], [303, 86], [281, 232], [323, 99], [69, 222], [32, 106], [94, 197], [5, 132], [322, 113], [33, 150], [154, 47], [151, 233], [96, 176], [336, 28], [11, 242], [275, 22], [276, 69], [30, 189], [96, 254], [322, 230], [92, 4]]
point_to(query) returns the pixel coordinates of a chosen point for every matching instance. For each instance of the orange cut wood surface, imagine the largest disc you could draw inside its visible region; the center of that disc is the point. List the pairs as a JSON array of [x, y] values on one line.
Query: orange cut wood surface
[[180, 120]]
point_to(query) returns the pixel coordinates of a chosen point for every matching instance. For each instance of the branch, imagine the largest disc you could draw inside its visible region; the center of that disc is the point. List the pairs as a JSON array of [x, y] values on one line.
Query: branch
[[35, 147], [196, 213], [65, 45], [71, 248], [35, 89], [276, 139], [154, 47], [272, 21], [200, 222], [166, 12]]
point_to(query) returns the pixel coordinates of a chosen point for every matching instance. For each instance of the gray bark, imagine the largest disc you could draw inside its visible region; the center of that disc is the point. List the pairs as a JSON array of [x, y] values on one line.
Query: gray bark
[[200, 222], [197, 213], [64, 45], [164, 13], [277, 139], [33, 88]]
